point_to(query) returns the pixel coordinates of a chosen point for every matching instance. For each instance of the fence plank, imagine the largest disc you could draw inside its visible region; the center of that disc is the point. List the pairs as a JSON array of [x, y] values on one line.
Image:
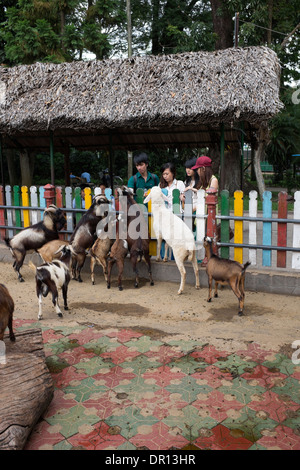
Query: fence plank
[[296, 232], [59, 196], [69, 205], [9, 212], [25, 202], [34, 203], [267, 228], [282, 229], [17, 203], [188, 209], [238, 225], [253, 226], [42, 200], [225, 223], [200, 222], [87, 198]]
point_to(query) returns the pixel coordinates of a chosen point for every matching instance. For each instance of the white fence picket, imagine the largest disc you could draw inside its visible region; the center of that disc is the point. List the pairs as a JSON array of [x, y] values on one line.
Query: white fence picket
[[252, 226], [296, 232]]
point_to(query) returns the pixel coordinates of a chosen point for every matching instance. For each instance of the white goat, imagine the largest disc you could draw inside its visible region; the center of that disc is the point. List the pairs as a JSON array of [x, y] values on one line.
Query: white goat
[[171, 228]]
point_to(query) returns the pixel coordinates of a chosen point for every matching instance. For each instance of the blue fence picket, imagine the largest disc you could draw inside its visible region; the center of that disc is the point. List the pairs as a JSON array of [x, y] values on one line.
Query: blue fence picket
[[267, 228]]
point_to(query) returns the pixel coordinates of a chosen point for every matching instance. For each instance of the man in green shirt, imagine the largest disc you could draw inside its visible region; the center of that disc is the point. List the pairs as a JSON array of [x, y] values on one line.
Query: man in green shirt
[[143, 178]]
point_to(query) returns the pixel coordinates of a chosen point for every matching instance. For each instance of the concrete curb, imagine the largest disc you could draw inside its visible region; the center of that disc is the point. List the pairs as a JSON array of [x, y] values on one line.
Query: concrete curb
[[257, 279]]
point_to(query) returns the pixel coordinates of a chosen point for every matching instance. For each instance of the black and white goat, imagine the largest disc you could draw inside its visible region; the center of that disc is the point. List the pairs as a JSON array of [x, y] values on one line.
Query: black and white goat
[[51, 277], [83, 236], [35, 236]]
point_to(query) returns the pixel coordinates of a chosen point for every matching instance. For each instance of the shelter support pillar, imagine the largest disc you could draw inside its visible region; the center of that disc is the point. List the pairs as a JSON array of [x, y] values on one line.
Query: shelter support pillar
[[222, 151], [111, 159], [52, 158]]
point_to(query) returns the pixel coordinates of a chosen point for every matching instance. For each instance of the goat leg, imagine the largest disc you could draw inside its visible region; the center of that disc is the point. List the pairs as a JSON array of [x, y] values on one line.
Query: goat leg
[[10, 328], [209, 288], [148, 261], [65, 296]]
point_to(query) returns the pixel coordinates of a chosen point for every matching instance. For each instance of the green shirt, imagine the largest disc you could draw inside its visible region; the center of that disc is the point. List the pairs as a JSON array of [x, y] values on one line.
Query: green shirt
[[138, 181]]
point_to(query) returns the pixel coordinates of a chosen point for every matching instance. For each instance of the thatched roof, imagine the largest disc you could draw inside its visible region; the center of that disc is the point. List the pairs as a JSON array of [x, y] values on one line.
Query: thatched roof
[[136, 99]]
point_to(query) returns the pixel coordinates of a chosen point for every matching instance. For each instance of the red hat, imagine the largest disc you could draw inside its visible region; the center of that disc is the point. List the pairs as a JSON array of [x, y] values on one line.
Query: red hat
[[202, 161]]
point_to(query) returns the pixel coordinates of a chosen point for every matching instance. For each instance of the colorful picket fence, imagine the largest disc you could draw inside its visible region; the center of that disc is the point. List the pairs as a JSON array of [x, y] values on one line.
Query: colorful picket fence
[[254, 231]]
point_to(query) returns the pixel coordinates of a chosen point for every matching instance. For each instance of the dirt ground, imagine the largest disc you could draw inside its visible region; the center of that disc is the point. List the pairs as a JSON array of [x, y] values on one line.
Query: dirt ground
[[272, 321]]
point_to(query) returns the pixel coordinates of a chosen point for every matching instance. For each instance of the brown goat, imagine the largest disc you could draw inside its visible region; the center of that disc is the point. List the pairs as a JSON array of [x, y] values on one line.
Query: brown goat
[[99, 253], [225, 271], [6, 313], [117, 255], [138, 245], [48, 252]]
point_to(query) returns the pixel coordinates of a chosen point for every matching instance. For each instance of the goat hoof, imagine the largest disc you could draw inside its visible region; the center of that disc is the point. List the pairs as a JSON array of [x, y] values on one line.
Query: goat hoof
[[240, 314], [216, 295], [12, 337], [93, 283], [108, 287], [151, 283], [60, 315], [66, 308], [21, 279], [80, 280], [120, 288], [208, 300], [136, 285]]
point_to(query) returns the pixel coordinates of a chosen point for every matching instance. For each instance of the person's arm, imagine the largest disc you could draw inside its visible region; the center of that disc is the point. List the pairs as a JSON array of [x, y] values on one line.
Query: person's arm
[[214, 183]]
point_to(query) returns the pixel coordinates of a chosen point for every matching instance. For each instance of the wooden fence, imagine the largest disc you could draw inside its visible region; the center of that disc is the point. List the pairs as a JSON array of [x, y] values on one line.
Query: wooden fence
[[273, 235]]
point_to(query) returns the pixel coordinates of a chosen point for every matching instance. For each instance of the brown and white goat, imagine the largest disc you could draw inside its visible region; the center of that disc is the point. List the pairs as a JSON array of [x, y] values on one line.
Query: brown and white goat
[[136, 233], [225, 271], [51, 277], [35, 236], [6, 313], [83, 236]]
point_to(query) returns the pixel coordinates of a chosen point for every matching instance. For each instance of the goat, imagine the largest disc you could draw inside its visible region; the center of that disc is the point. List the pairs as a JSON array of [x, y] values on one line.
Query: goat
[[176, 234], [6, 313], [50, 277], [83, 236], [138, 240], [225, 271], [33, 237], [117, 255], [49, 251], [99, 253]]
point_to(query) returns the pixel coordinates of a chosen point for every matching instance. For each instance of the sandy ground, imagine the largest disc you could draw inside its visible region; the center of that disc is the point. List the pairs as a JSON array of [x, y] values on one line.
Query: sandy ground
[[272, 321]]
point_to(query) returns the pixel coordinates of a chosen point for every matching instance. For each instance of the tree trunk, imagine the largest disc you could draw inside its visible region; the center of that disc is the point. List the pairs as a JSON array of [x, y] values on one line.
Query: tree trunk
[[11, 165], [26, 164], [156, 46], [222, 24], [263, 139], [232, 171]]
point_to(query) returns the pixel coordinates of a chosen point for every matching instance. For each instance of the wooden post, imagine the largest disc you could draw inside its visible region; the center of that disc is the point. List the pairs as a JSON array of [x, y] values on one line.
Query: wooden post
[[25, 202], [211, 228], [252, 226], [238, 225], [225, 223], [282, 229]]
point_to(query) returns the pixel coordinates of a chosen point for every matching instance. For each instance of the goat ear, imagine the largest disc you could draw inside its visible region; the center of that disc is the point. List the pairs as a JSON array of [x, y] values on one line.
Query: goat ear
[[147, 199]]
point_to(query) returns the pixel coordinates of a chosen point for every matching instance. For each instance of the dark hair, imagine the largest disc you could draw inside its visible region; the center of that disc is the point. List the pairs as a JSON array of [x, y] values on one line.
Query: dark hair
[[141, 158], [191, 162], [171, 167]]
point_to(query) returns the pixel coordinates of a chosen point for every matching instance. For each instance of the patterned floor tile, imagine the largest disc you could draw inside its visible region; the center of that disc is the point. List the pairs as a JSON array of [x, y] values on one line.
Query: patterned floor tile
[[158, 437], [222, 438], [252, 425], [130, 421], [100, 437], [280, 438], [120, 389], [217, 406], [274, 406]]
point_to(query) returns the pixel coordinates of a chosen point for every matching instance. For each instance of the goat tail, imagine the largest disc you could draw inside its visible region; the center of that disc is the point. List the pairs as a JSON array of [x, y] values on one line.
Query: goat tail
[[245, 266], [32, 266]]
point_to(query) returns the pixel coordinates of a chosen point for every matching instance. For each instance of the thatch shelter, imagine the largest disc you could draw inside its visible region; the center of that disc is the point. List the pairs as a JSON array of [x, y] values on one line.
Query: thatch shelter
[[151, 101]]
